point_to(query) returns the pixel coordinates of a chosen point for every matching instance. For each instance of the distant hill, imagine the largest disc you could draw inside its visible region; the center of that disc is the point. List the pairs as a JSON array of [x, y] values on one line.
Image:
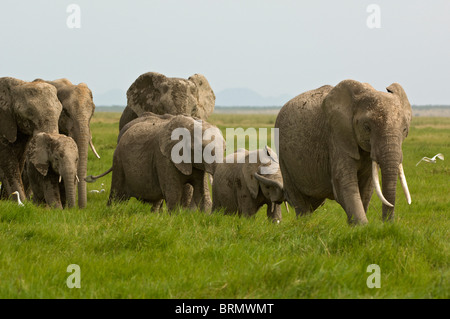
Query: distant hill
[[247, 97], [114, 97], [243, 100], [227, 97]]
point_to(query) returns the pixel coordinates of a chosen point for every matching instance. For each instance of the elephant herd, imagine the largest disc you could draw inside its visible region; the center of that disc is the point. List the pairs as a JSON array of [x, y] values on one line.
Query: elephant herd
[[332, 143], [44, 137]]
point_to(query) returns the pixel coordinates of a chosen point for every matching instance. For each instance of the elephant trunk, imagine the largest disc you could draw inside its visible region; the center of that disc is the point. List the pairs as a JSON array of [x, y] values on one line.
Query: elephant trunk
[[389, 163], [389, 183], [82, 138], [69, 185], [275, 213]]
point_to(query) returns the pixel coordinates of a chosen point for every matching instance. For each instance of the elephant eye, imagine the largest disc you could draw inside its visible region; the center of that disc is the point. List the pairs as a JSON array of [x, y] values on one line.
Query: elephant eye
[[405, 131], [366, 127]]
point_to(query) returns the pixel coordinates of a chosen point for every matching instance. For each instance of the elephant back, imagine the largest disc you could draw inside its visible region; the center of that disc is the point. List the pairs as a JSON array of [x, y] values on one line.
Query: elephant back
[[154, 92]]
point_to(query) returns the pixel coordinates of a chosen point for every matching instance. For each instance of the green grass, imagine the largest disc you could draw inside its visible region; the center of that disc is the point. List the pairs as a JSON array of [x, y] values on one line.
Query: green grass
[[124, 251]]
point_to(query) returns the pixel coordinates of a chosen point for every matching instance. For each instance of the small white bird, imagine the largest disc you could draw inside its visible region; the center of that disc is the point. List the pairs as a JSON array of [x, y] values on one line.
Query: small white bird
[[97, 191], [102, 190], [16, 197], [433, 159]]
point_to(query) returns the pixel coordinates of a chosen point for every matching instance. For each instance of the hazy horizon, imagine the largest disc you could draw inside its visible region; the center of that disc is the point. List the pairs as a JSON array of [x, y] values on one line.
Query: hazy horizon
[[272, 48]]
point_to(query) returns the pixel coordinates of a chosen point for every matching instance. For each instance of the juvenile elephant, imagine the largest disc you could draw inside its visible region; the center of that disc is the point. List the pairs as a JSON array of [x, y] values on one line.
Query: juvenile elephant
[[51, 167], [151, 163], [78, 109], [156, 93], [332, 141], [248, 180], [26, 108]]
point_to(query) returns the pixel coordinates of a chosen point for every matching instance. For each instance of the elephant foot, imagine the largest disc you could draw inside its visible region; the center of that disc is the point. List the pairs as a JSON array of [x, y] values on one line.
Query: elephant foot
[[354, 221]]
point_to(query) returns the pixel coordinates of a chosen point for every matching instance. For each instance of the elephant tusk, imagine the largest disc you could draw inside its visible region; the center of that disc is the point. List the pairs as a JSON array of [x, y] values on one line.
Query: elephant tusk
[[60, 178], [93, 148], [78, 180], [404, 184], [287, 207], [376, 183]]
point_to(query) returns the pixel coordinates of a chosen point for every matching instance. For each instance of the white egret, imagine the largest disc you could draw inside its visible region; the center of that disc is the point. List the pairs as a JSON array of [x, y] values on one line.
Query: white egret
[[433, 159], [16, 197]]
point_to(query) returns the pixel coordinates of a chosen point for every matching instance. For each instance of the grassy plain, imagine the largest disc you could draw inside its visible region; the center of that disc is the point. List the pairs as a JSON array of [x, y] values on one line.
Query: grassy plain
[[124, 251]]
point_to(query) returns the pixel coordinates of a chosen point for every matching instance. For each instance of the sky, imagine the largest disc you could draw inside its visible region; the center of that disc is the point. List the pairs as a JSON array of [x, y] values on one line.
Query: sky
[[271, 47]]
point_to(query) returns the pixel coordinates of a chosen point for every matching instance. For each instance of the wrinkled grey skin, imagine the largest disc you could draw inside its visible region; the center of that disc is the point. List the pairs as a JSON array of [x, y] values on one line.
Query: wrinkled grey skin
[[242, 188], [156, 93], [50, 156], [330, 136], [26, 108], [78, 109], [143, 166]]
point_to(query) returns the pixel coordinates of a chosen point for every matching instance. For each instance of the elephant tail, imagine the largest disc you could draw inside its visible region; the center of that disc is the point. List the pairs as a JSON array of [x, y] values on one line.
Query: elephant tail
[[91, 178]]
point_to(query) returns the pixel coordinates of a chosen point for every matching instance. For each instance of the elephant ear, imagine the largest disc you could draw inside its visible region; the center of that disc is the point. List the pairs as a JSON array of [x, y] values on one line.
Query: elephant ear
[[37, 153], [398, 91], [145, 93], [206, 96], [338, 107], [8, 126], [176, 135], [268, 181], [248, 171]]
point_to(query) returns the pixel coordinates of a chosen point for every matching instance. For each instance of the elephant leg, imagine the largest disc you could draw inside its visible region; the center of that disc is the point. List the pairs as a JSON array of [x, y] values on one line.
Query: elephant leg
[[301, 205], [62, 194], [201, 195], [50, 189], [187, 200], [3, 191], [346, 193], [156, 205], [207, 202], [215, 205], [14, 183], [117, 192], [117, 196], [173, 197], [26, 184], [247, 206], [365, 187], [38, 200], [315, 203]]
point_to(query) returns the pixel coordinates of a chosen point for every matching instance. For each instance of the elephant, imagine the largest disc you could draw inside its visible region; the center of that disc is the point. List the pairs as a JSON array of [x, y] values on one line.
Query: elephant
[[333, 140], [26, 108], [51, 167], [78, 109], [156, 93], [241, 187], [147, 163]]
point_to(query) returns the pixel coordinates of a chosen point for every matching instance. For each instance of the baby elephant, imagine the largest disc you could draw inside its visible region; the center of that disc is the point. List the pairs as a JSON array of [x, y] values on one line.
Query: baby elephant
[[51, 166], [248, 180]]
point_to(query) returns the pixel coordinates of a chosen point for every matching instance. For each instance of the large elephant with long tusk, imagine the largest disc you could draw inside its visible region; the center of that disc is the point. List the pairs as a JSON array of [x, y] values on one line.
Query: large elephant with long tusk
[[78, 109], [333, 141]]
